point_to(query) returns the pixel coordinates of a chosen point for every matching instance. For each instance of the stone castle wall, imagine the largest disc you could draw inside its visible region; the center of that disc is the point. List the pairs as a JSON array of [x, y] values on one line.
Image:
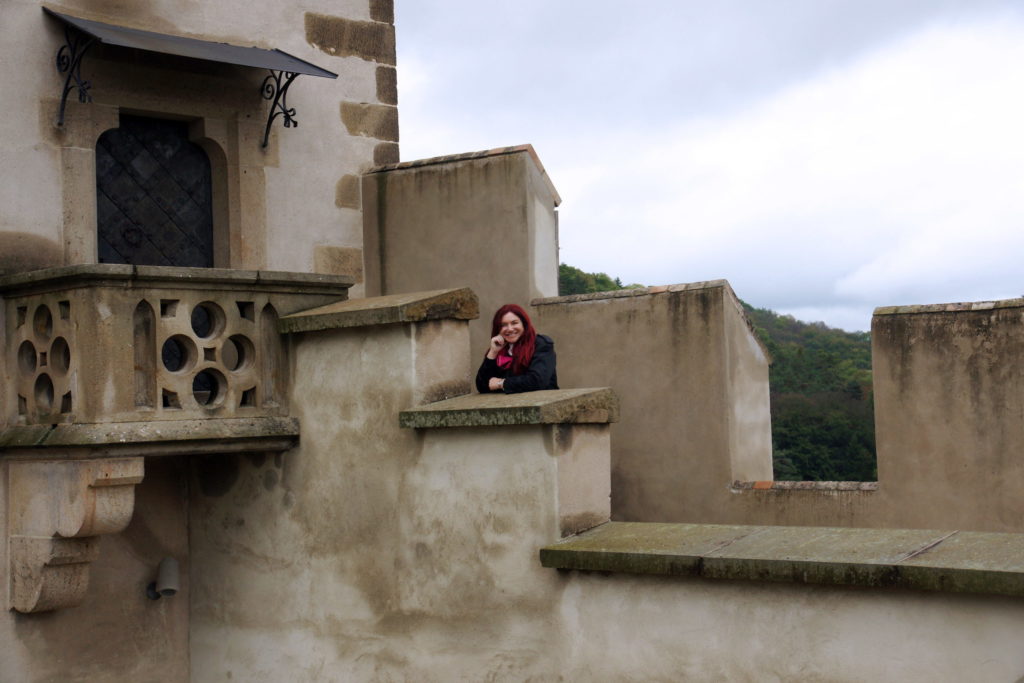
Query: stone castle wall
[[307, 176]]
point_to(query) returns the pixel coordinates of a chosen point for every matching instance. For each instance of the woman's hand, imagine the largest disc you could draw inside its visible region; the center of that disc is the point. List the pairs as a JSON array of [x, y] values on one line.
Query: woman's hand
[[496, 384], [497, 344]]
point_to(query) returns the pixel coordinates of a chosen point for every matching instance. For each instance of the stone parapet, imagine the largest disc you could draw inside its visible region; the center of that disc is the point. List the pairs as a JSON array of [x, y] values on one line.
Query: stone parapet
[[950, 307], [693, 380], [952, 561], [457, 304], [560, 406]]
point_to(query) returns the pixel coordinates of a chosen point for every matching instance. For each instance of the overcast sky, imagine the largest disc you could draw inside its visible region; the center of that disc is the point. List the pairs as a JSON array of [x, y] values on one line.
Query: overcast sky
[[826, 157]]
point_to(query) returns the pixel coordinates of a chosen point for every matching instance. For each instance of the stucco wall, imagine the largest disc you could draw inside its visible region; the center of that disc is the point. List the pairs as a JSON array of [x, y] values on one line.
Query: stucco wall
[[117, 633], [627, 628], [485, 221], [693, 386], [371, 552], [307, 544], [273, 208], [947, 407], [949, 403]]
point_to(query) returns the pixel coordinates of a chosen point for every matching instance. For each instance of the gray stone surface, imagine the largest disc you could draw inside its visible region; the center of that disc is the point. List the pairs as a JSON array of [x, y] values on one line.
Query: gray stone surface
[[535, 407], [953, 561], [460, 304], [99, 273], [166, 437]]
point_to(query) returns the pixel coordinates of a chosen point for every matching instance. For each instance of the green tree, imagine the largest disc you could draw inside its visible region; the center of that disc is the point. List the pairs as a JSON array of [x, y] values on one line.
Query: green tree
[[572, 280]]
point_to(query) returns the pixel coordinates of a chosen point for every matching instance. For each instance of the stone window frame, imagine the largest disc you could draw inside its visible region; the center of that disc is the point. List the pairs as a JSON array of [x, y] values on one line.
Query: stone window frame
[[237, 165]]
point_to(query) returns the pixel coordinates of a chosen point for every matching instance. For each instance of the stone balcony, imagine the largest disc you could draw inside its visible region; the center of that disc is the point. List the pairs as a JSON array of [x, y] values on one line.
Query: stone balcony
[[121, 343], [107, 364]]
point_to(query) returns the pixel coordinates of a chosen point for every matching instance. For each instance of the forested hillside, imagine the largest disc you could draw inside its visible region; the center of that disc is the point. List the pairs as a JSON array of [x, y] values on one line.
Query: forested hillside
[[823, 425]]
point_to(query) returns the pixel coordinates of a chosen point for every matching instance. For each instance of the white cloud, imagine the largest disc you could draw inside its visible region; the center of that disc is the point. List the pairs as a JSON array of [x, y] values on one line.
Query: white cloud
[[826, 161], [895, 179]]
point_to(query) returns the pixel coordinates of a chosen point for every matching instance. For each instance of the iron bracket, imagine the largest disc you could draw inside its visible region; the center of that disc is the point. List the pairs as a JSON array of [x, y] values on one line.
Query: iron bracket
[[69, 62], [273, 89]]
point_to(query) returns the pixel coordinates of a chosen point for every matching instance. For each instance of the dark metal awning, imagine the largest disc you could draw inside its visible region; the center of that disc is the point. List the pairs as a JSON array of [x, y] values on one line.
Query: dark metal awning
[[81, 34]]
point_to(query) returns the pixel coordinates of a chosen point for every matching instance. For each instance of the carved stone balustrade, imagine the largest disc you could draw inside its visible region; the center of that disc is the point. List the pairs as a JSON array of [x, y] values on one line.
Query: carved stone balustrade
[[106, 364], [116, 343]]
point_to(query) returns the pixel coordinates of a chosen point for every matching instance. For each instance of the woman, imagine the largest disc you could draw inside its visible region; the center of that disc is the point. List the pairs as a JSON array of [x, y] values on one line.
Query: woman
[[518, 359]]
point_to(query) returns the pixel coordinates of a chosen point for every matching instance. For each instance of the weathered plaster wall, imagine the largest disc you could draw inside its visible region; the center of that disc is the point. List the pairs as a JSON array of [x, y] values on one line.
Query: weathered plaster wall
[[627, 628], [949, 414], [692, 381], [486, 221], [371, 552], [117, 634], [947, 406], [273, 208], [308, 544]]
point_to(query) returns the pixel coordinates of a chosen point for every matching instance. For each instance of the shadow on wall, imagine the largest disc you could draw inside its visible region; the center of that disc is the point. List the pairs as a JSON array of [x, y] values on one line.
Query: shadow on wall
[[21, 252]]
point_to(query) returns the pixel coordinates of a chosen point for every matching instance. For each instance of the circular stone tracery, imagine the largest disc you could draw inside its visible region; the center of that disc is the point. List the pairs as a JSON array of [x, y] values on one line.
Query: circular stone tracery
[[209, 359], [44, 360]]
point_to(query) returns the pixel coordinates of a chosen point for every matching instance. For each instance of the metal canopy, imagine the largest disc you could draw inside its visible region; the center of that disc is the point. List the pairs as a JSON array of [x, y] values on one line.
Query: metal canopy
[[81, 34]]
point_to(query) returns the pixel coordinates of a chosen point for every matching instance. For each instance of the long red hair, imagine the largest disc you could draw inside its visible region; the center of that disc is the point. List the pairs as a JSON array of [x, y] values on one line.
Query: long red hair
[[522, 351]]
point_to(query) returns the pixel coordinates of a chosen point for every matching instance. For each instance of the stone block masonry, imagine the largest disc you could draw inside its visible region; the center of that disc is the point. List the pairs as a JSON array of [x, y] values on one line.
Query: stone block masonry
[[373, 41], [371, 120]]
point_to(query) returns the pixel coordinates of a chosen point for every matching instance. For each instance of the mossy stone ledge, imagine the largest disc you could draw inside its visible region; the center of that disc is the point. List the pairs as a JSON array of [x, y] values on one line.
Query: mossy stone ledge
[[949, 561], [557, 406]]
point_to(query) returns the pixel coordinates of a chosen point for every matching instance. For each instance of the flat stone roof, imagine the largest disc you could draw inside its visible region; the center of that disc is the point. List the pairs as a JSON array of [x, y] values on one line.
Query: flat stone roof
[[460, 304], [557, 406], [953, 561]]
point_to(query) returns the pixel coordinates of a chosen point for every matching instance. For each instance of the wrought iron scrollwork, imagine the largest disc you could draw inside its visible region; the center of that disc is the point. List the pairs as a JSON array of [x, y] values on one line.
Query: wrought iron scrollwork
[[69, 62], [274, 89]]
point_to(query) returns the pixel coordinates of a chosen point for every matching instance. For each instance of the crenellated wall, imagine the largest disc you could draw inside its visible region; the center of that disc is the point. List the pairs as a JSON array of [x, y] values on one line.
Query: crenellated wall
[[949, 414], [693, 380]]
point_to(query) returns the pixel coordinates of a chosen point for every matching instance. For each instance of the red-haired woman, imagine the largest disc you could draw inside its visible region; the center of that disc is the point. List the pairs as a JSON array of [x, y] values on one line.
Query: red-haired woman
[[518, 359]]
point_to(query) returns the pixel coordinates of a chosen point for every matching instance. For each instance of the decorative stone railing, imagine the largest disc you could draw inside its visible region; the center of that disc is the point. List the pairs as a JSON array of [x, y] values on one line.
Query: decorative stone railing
[[115, 343], [106, 364]]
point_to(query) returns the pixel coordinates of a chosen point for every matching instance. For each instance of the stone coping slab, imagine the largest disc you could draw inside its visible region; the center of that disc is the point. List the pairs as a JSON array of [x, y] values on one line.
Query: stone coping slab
[[950, 307], [832, 486], [951, 561], [556, 406], [163, 437], [460, 304], [65, 277]]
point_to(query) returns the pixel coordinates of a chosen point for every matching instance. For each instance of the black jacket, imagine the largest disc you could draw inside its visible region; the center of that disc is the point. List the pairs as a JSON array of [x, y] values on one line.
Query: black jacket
[[540, 375]]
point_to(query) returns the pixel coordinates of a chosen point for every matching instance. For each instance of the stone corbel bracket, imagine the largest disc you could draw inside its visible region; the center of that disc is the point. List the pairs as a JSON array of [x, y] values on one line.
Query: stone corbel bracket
[[56, 509]]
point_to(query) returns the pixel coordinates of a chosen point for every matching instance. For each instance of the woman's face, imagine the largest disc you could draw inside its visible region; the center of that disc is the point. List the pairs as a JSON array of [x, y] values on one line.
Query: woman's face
[[511, 328]]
